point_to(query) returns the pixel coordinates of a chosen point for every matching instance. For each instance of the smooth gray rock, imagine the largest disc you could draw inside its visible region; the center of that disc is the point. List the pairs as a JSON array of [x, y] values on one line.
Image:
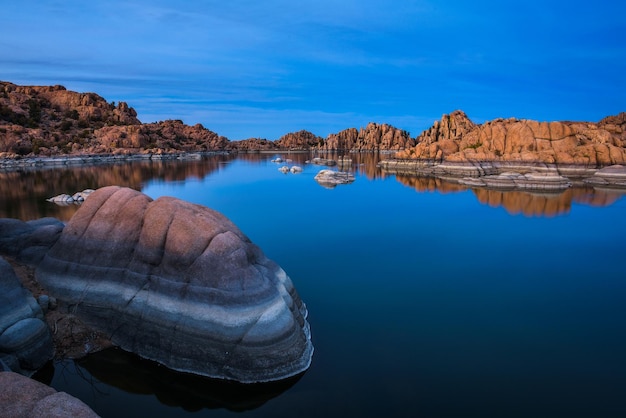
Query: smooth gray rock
[[512, 181], [610, 177], [180, 284], [25, 340], [30, 341], [330, 178], [44, 303], [28, 241]]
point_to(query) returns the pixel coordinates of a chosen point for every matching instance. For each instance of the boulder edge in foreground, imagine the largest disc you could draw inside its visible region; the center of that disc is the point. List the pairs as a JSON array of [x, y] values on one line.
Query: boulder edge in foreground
[[180, 284]]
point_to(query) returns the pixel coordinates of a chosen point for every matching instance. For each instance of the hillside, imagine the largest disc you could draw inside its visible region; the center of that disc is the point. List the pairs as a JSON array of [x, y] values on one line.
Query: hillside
[[51, 120]]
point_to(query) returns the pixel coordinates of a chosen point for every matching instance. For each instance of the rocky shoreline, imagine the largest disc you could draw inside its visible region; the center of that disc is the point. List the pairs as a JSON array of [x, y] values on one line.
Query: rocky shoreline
[[37, 163], [511, 174]]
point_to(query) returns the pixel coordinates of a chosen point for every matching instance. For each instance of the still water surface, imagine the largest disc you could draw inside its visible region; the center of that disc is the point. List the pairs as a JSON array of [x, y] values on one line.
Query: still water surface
[[426, 299]]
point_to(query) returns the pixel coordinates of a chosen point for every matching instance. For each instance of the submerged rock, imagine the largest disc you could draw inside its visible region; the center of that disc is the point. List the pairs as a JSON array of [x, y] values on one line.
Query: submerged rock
[[180, 284]]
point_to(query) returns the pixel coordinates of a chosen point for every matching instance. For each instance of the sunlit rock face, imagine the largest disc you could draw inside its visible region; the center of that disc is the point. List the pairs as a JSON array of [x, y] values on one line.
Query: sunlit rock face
[[180, 284], [455, 138]]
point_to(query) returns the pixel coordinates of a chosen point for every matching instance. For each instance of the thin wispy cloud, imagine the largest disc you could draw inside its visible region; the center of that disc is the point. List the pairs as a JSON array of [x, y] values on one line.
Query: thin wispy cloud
[[249, 68]]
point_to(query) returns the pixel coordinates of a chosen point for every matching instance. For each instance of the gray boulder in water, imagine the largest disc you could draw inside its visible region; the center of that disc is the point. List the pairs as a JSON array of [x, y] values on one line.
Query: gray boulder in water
[[180, 284], [25, 340]]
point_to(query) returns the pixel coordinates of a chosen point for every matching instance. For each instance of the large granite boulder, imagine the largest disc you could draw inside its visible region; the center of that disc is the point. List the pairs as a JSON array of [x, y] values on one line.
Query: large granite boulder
[[25, 339], [22, 397], [180, 284]]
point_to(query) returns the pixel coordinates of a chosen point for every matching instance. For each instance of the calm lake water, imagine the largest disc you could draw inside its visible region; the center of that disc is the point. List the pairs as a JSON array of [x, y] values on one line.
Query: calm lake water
[[426, 299]]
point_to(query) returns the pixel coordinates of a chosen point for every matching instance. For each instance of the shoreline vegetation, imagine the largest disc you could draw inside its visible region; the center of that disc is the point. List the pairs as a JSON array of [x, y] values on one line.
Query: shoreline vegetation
[[48, 126]]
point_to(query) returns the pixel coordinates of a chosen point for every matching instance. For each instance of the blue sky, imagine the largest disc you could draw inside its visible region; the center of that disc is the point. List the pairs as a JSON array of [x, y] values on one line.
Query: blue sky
[[264, 68]]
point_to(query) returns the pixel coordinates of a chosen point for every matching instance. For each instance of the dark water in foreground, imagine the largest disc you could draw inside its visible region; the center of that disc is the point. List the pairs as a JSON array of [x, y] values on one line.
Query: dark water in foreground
[[426, 299]]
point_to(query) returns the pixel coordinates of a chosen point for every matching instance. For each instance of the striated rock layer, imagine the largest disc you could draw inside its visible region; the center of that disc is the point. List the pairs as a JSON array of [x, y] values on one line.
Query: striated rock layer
[[180, 284], [25, 340]]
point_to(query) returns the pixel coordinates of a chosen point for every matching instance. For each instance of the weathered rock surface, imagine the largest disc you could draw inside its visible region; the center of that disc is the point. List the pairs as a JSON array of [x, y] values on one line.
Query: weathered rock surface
[[374, 137], [22, 397], [65, 199], [457, 139], [612, 176], [25, 340], [28, 241], [330, 178], [512, 180], [179, 284], [301, 140], [50, 120]]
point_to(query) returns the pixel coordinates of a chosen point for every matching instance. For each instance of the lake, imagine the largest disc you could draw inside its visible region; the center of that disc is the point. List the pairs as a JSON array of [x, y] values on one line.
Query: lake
[[425, 298]]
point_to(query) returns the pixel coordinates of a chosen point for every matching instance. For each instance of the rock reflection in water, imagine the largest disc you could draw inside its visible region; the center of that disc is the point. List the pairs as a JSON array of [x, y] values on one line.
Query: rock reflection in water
[[131, 374], [32, 188], [518, 202]]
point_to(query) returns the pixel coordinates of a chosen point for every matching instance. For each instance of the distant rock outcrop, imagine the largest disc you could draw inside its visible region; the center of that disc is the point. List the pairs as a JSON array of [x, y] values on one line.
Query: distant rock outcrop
[[180, 284], [301, 140], [457, 139], [253, 144], [50, 120], [373, 137]]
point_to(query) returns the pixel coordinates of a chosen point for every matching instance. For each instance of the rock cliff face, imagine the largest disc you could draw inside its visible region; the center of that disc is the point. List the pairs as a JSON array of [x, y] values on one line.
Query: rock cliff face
[[457, 139], [253, 144], [179, 284], [373, 137], [301, 140]]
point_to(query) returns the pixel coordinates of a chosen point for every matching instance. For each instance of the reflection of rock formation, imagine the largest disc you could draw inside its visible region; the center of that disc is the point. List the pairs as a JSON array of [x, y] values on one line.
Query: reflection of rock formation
[[595, 197], [32, 188], [365, 163], [130, 373], [518, 202], [430, 184], [531, 204], [180, 284], [528, 204]]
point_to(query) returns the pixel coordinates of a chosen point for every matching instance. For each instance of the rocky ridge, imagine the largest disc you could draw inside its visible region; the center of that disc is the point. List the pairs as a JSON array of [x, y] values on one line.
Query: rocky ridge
[[374, 137], [51, 121], [455, 138]]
